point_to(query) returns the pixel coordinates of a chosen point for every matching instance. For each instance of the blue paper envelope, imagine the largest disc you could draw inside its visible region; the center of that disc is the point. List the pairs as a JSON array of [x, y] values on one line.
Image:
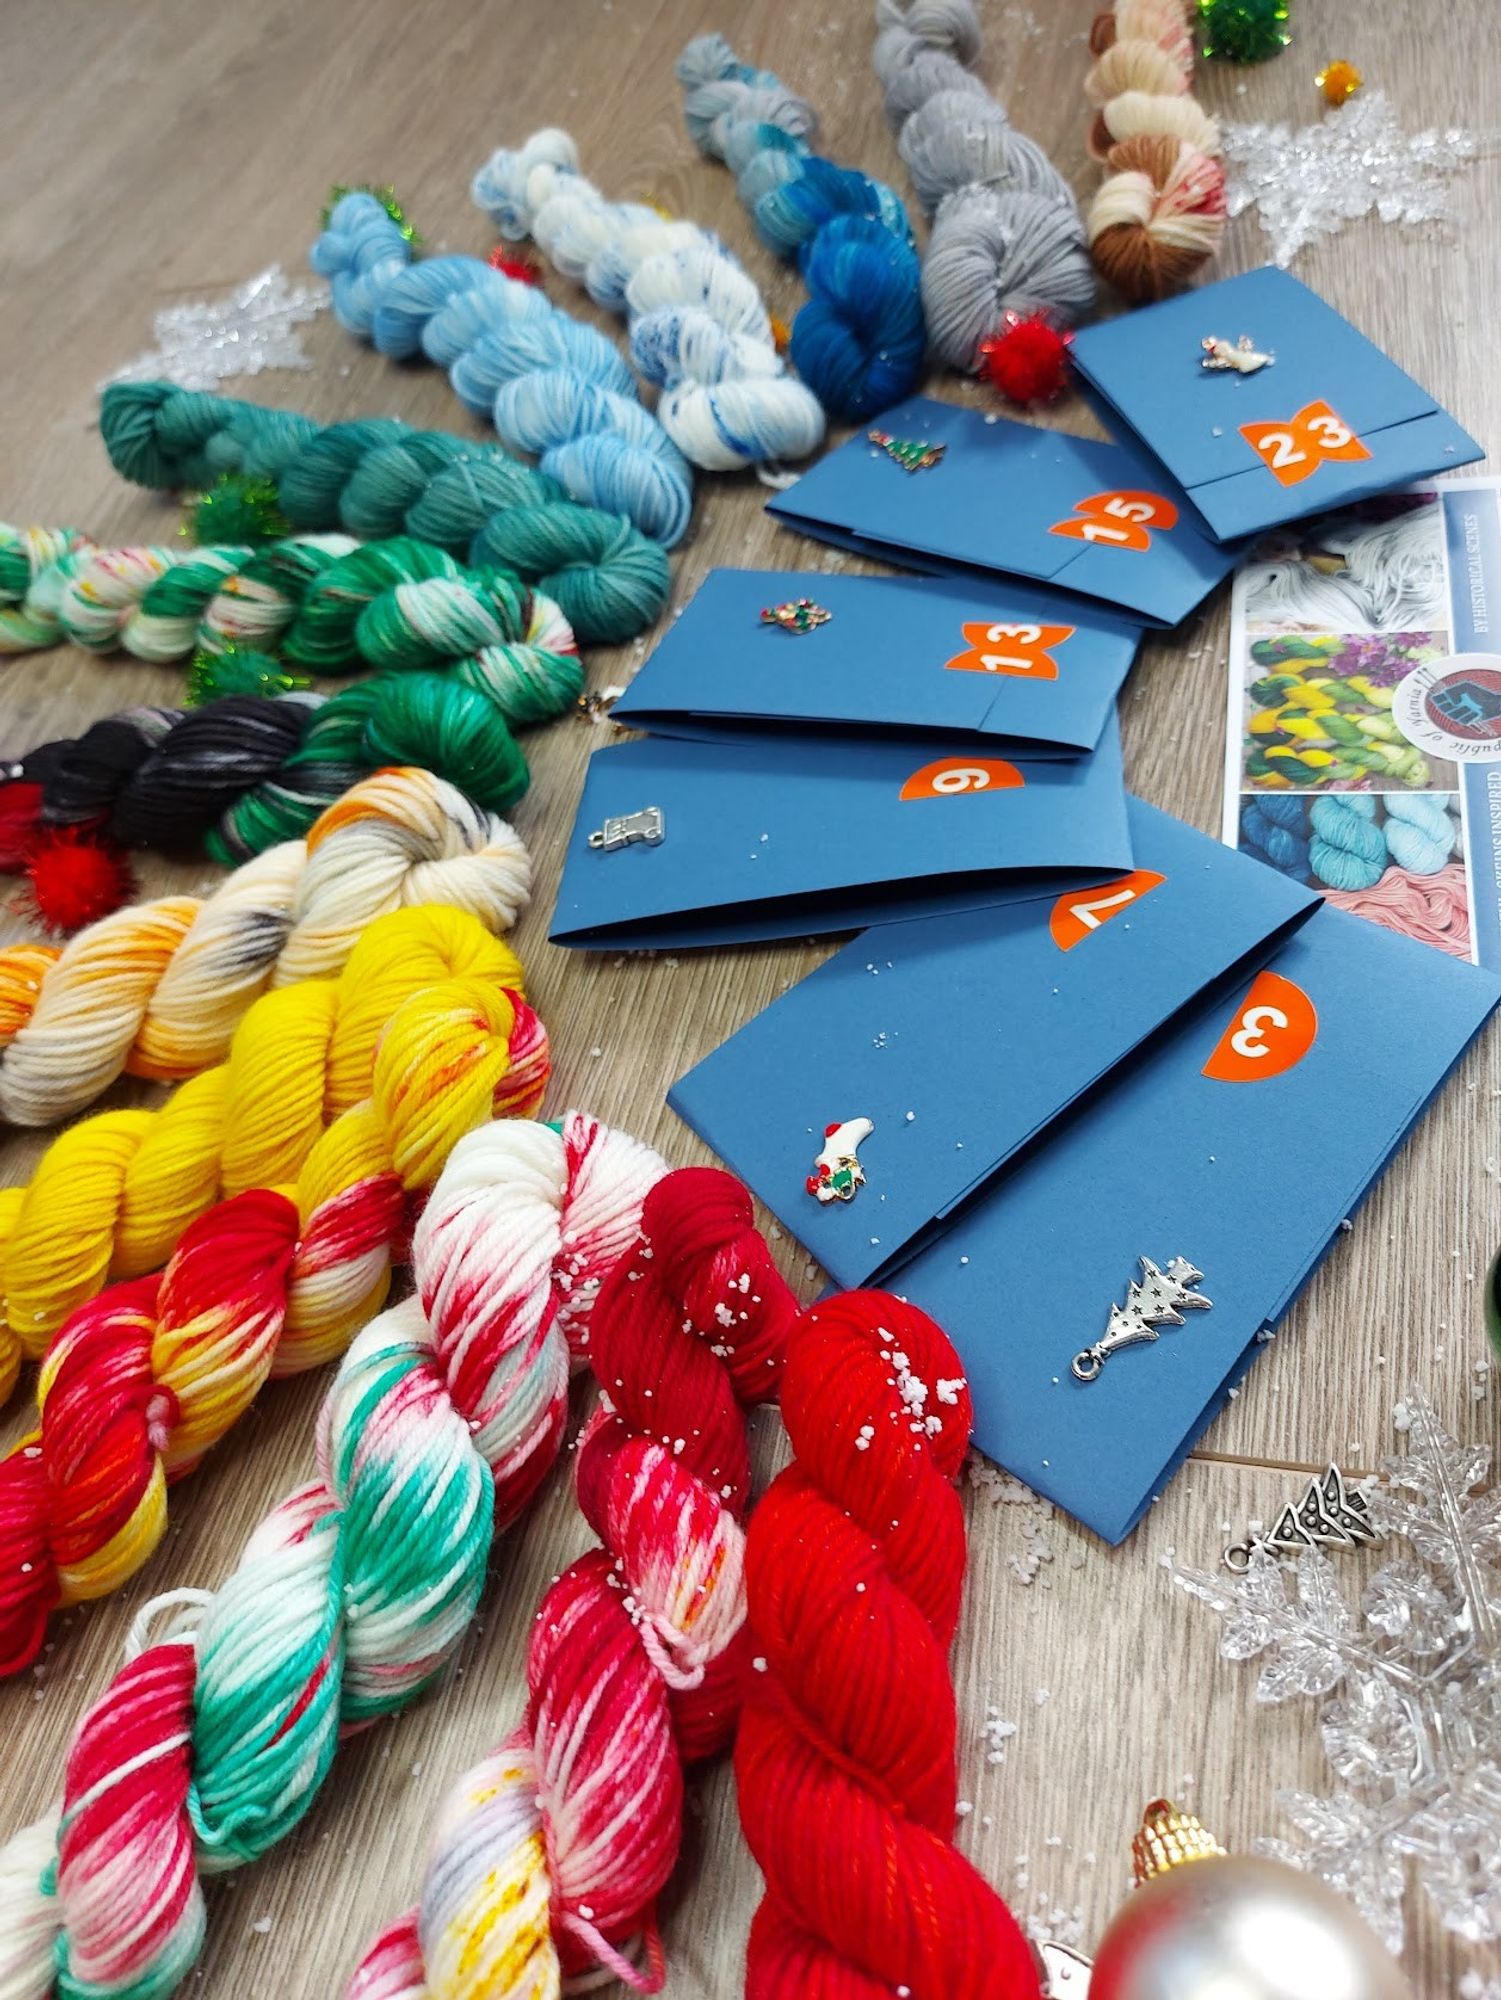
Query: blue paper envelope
[[1098, 520], [1240, 1143], [897, 656], [779, 839], [1331, 420], [960, 1039]]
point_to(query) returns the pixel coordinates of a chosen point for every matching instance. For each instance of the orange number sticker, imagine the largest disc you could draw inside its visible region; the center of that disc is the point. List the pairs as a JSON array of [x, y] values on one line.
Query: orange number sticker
[[1118, 520], [959, 774], [1294, 451], [1022, 650], [1081, 911], [1271, 1031]]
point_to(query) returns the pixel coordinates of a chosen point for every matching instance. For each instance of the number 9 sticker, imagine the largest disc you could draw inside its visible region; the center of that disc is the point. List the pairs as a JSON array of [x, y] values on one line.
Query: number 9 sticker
[[951, 775], [1270, 1032]]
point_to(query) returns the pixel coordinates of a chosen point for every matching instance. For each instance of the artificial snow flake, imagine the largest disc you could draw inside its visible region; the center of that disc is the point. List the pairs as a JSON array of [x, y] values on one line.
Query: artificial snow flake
[[1410, 1686], [198, 346], [1357, 161]]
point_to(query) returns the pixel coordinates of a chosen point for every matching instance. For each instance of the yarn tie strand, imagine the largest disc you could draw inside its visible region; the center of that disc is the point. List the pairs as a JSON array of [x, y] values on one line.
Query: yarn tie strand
[[352, 1595], [1007, 239], [845, 1760], [699, 329], [377, 478], [157, 990], [1160, 212], [111, 1195], [858, 342], [551, 385], [141, 1382], [548, 1857]]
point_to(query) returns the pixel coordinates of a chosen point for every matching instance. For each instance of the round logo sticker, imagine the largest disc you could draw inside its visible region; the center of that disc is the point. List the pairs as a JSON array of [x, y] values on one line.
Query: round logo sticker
[[1453, 707]]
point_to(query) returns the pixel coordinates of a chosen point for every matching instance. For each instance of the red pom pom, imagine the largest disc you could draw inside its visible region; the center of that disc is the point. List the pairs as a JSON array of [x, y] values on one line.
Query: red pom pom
[[1028, 361], [522, 269], [20, 817], [75, 878]]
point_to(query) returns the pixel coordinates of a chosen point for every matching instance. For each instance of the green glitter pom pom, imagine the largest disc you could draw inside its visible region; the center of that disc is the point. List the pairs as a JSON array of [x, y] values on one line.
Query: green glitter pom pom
[[238, 670], [1243, 31], [386, 196], [236, 509]]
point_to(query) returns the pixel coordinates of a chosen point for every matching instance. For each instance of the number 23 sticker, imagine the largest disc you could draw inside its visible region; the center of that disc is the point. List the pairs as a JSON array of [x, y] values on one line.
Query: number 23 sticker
[[1270, 1032], [1294, 451]]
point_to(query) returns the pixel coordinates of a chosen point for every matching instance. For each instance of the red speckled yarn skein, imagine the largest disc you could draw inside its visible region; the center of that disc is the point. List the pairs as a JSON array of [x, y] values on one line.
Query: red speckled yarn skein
[[845, 1763]]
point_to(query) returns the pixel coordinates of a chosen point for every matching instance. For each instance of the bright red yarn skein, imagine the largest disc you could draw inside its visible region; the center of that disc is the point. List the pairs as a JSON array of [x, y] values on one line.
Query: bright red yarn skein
[[846, 1755]]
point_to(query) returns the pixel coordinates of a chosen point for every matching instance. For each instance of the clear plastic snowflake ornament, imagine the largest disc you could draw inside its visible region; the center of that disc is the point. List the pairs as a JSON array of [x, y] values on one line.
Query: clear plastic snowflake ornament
[[1409, 1678]]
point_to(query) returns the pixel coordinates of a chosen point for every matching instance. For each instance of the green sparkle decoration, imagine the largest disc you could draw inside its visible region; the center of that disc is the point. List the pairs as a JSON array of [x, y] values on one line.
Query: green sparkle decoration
[[1243, 31], [236, 509], [386, 196], [238, 670]]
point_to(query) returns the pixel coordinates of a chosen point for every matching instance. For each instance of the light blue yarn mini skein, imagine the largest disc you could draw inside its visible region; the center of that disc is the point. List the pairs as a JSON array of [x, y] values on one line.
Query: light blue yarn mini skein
[[699, 328], [1349, 850], [551, 385], [859, 341], [1007, 236]]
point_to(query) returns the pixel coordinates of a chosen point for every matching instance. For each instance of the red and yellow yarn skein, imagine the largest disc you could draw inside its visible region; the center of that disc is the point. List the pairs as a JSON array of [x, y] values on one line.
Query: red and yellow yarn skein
[[156, 990], [425, 1037], [846, 1755]]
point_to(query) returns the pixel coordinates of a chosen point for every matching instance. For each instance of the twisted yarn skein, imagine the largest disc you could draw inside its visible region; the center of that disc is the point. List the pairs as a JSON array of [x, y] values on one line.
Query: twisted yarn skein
[[244, 773], [699, 329], [845, 1760], [1275, 830], [157, 990], [142, 1381], [378, 478], [551, 385], [1160, 213], [1349, 848], [1007, 239], [25, 553], [110, 1196], [858, 342], [548, 1856], [349, 1599]]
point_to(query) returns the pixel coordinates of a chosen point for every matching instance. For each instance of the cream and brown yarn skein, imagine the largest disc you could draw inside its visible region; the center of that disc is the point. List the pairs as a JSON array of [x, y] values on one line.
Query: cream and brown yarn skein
[[1007, 238], [1160, 213]]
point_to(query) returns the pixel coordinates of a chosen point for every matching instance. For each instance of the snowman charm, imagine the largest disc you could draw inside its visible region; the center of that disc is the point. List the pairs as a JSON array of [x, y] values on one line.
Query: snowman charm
[[837, 1171]]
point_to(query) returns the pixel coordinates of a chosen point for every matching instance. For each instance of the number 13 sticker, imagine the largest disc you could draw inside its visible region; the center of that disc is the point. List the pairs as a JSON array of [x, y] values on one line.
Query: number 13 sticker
[[1294, 451], [1270, 1032]]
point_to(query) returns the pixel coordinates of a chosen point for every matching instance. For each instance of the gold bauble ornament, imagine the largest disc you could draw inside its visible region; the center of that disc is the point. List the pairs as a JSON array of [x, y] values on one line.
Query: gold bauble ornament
[[1206, 1925]]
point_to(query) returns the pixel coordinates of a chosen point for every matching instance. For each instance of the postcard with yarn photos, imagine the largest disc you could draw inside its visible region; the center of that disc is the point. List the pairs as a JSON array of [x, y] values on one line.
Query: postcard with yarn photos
[[1363, 739]]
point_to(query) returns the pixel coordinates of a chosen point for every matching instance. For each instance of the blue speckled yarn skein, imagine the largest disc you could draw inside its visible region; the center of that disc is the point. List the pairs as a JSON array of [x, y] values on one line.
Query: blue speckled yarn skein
[[859, 341], [1275, 830], [699, 327], [1007, 235], [551, 385]]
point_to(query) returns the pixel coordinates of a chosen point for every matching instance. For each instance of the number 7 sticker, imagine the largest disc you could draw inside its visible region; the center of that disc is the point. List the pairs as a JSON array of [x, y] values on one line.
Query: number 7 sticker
[[1080, 912]]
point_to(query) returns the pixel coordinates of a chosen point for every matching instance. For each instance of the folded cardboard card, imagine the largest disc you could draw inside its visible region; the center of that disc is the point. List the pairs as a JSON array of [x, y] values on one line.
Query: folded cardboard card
[[679, 844], [1102, 521], [884, 656], [1236, 1147], [956, 1040], [1295, 412]]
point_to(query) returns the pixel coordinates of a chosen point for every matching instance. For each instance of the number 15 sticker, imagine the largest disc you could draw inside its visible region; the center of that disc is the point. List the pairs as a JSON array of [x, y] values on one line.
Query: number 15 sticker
[[1294, 451], [1118, 520]]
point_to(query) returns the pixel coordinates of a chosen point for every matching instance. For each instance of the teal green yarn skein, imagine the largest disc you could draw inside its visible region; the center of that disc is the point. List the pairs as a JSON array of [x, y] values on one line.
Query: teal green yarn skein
[[378, 478]]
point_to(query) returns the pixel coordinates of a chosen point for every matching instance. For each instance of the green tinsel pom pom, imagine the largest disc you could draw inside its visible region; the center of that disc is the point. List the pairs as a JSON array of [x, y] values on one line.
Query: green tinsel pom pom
[[238, 670], [236, 509], [386, 196], [1244, 31]]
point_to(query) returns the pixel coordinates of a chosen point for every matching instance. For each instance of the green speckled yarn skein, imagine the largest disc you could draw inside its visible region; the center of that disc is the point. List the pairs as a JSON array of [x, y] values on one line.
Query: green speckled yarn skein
[[379, 478]]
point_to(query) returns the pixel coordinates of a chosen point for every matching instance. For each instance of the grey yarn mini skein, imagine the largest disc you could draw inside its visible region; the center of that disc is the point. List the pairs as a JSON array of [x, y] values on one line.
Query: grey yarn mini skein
[[1007, 236]]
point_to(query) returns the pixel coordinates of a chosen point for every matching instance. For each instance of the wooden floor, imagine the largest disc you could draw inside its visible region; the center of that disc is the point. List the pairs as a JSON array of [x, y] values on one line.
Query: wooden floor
[[169, 150]]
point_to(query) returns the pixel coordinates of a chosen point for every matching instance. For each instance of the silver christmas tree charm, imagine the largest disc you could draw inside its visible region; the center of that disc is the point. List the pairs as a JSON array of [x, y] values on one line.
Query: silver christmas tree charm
[[1331, 1515], [1159, 1297]]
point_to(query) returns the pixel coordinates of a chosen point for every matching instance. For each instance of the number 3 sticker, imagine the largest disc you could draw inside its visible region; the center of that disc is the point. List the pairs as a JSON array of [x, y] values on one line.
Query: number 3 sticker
[[1081, 911], [1294, 451], [1270, 1032], [959, 774]]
